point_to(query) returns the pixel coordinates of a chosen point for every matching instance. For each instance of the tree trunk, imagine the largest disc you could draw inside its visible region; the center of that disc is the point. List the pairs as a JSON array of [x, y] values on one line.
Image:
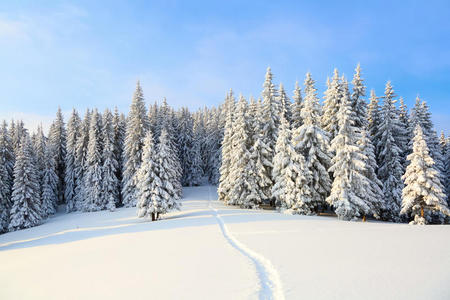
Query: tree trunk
[[364, 218], [153, 216], [157, 216], [421, 211]]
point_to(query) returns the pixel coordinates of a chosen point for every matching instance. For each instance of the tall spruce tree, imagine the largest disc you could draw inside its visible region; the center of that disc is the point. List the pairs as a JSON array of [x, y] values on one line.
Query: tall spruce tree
[[110, 182], [73, 134], [150, 185], [331, 106], [312, 142], [423, 189], [49, 183], [57, 140], [351, 192], [271, 111], [6, 176], [119, 125], [137, 127], [225, 167], [297, 106], [168, 168], [374, 117], [359, 105], [93, 178], [80, 162], [390, 168], [290, 189], [26, 204], [285, 104]]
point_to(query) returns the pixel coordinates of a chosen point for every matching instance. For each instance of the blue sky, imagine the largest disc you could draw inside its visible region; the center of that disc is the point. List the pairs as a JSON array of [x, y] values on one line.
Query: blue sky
[[90, 53]]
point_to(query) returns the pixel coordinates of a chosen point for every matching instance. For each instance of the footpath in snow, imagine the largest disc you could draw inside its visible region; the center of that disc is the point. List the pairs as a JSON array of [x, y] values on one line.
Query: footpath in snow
[[209, 251]]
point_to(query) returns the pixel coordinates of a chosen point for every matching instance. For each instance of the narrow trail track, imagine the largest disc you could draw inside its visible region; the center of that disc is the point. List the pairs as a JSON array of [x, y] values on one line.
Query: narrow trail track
[[270, 282]]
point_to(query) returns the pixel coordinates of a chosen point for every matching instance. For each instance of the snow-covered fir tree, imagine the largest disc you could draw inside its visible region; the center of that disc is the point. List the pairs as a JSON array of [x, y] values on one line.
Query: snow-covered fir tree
[[269, 125], [93, 178], [17, 131], [351, 193], [119, 125], [406, 138], [137, 126], [290, 189], [80, 162], [189, 150], [49, 184], [57, 141], [242, 191], [6, 176], [110, 189], [423, 189], [376, 196], [39, 146], [26, 204], [225, 167], [168, 166], [213, 143], [297, 106], [5, 203], [359, 105], [390, 168], [374, 117], [150, 186], [73, 134], [285, 104], [312, 142], [331, 106], [261, 181]]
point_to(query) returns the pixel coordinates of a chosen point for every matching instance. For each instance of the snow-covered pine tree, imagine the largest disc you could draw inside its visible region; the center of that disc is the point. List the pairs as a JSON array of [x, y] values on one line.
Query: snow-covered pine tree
[[7, 151], [26, 205], [312, 142], [49, 183], [5, 201], [168, 166], [446, 174], [375, 198], [297, 106], [225, 167], [73, 134], [359, 105], [269, 125], [351, 190], [39, 146], [285, 105], [406, 138], [137, 127], [57, 140], [93, 178], [390, 168], [17, 131], [119, 125], [241, 190], [109, 179], [80, 163], [290, 189], [6, 176], [190, 150], [149, 184], [331, 106], [261, 181], [375, 118], [213, 142], [423, 189]]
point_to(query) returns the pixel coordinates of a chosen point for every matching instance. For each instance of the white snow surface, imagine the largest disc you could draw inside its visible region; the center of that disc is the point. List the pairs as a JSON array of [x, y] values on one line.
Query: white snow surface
[[210, 251]]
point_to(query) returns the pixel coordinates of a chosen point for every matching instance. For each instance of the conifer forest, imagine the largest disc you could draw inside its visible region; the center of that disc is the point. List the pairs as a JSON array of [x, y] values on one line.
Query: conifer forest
[[350, 152]]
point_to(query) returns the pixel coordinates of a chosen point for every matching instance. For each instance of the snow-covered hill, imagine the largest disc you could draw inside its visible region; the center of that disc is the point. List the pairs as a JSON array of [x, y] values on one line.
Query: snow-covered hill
[[208, 251]]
